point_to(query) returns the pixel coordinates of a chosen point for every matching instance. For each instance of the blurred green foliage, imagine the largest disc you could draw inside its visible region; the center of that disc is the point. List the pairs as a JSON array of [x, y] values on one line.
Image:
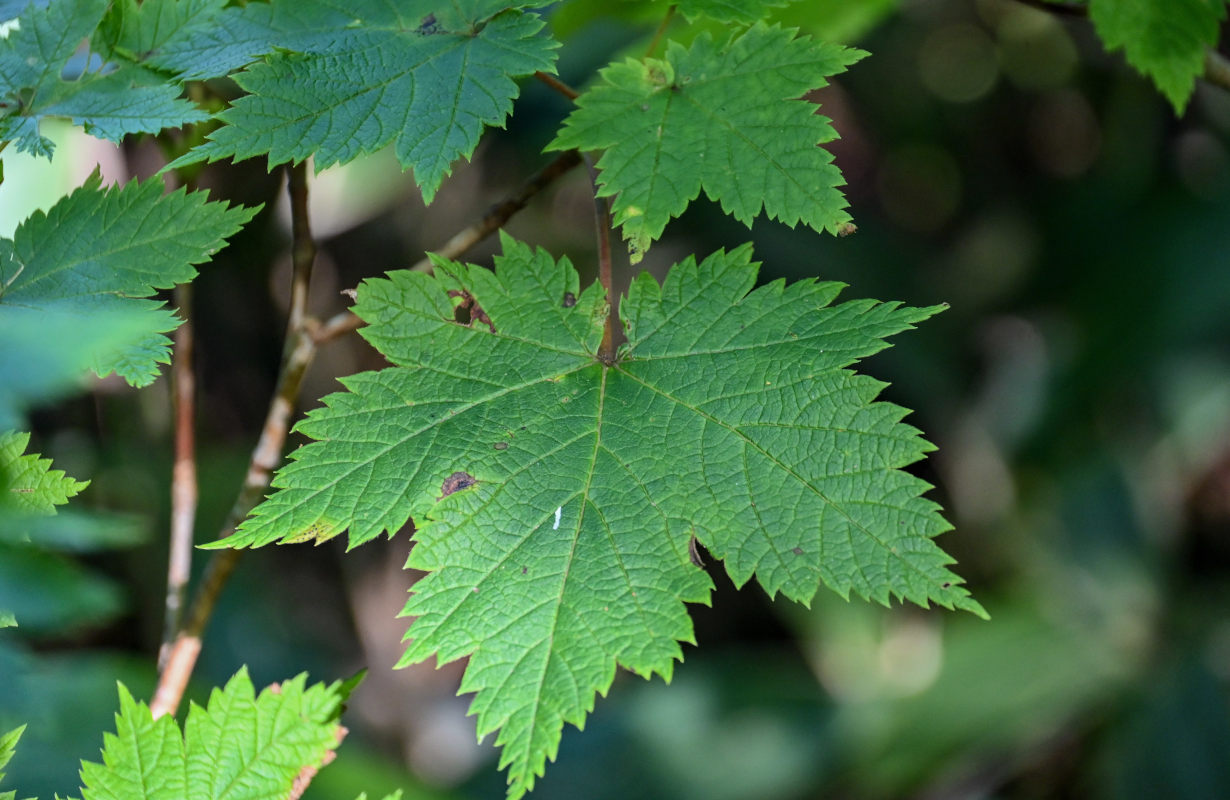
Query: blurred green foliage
[[1078, 389]]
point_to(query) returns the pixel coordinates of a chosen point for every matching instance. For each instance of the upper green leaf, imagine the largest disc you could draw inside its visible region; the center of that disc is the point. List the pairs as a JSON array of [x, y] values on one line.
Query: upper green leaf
[[718, 118], [240, 747], [41, 354], [8, 742], [36, 81], [153, 32], [737, 11], [1164, 39], [96, 253], [555, 497], [29, 483], [426, 76]]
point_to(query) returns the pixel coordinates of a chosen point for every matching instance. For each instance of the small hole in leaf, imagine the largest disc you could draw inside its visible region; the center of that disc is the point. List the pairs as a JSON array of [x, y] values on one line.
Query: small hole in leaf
[[570, 299], [798, 551], [946, 584]]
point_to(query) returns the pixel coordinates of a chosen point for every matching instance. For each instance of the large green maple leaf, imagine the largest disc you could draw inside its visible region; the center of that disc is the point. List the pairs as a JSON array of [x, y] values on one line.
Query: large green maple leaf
[[555, 497], [111, 102], [1164, 39], [711, 116], [94, 258], [425, 76], [241, 746]]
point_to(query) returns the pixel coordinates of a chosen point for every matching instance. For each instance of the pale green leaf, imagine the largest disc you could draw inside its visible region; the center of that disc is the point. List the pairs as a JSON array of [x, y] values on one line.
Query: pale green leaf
[[42, 355], [97, 253], [240, 747], [51, 594], [718, 118], [7, 620], [555, 496], [72, 531], [424, 76], [109, 102], [730, 11], [144, 32], [142, 760], [8, 746], [8, 742], [1165, 40]]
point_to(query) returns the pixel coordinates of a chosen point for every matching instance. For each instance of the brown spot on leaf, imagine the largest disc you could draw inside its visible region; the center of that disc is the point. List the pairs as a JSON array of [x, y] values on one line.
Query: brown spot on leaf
[[946, 584], [524, 570], [455, 483], [570, 299], [846, 229], [468, 311], [798, 551], [500, 445]]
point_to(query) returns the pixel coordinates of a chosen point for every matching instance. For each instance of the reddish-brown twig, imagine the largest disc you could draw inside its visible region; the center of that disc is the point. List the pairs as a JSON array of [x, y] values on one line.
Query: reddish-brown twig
[[297, 355]]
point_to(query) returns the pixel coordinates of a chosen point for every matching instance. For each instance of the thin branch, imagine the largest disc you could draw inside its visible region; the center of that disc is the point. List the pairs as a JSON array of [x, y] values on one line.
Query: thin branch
[[303, 248], [1062, 9], [1216, 66], [657, 37], [304, 335], [558, 85], [297, 355], [1217, 69], [495, 218], [183, 476], [608, 349]]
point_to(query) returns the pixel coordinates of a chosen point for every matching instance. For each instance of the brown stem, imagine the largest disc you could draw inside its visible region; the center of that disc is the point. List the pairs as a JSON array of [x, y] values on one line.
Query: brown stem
[[297, 355], [657, 37], [183, 475], [609, 348], [558, 85], [1216, 66], [1063, 9], [494, 219], [303, 337], [1217, 69], [303, 248]]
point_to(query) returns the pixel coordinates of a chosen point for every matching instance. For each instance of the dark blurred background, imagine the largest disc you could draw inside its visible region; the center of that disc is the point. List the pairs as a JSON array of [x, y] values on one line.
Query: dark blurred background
[[1078, 389]]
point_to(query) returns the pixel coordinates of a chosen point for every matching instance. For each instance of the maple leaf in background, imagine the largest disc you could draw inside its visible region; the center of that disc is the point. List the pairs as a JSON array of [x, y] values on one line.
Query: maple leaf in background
[[365, 75], [712, 117], [40, 77]]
